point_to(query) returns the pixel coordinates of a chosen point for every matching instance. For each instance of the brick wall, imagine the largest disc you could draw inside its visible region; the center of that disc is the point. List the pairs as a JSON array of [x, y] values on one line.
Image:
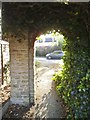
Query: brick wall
[[22, 73]]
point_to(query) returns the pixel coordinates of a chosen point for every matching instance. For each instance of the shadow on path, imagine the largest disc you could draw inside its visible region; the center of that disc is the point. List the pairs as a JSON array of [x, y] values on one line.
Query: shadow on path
[[47, 104], [50, 106]]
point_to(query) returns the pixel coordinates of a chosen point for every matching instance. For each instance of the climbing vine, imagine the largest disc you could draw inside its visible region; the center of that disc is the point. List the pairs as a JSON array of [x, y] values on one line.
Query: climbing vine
[[73, 21], [6, 71], [73, 81]]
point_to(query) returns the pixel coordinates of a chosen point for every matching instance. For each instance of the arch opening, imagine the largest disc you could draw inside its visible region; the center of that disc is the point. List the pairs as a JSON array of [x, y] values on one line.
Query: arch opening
[[49, 42]]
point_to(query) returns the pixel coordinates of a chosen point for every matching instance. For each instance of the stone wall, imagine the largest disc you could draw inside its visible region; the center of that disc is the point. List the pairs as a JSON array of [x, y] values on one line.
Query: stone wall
[[22, 73], [31, 74]]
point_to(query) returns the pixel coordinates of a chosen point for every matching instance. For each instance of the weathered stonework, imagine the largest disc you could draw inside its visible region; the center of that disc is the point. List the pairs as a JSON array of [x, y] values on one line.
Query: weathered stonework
[[31, 73], [22, 72]]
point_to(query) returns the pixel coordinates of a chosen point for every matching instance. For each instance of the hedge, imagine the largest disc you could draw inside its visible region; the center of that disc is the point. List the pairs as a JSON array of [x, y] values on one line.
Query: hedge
[[73, 81]]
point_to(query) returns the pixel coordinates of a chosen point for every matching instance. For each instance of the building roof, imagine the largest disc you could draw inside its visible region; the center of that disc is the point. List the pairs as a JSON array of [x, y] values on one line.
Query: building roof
[[3, 42]]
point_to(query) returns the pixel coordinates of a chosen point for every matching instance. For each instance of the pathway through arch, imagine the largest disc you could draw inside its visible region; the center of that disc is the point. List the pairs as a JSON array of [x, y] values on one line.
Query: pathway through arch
[[47, 102]]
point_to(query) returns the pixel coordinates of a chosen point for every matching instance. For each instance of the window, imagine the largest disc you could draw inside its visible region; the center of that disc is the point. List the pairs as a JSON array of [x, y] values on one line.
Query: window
[[48, 40], [58, 52], [54, 40], [40, 41]]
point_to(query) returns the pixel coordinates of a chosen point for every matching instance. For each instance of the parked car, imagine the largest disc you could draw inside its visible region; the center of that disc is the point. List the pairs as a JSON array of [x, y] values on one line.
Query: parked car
[[58, 54]]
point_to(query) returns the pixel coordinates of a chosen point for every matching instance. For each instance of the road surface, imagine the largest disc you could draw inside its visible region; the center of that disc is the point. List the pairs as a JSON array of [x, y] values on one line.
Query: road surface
[[45, 61]]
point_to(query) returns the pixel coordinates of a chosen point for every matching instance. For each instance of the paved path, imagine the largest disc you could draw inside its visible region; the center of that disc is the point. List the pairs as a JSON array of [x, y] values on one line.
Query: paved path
[[47, 102]]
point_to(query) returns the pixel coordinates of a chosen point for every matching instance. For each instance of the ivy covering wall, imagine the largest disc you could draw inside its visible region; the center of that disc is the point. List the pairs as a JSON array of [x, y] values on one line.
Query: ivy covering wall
[[73, 82], [73, 20]]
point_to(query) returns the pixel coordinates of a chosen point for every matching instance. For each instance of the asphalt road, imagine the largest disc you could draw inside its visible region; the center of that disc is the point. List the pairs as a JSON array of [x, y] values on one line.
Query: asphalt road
[[50, 61]]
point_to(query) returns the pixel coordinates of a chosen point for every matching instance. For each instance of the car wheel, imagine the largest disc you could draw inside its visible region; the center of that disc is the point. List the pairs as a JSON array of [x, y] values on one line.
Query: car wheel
[[49, 57]]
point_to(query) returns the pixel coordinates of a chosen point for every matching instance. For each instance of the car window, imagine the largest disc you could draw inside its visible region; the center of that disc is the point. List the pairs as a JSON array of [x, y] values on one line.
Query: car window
[[58, 52]]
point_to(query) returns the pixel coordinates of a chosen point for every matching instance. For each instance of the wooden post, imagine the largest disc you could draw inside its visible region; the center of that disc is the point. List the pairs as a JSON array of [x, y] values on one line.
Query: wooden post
[[2, 62]]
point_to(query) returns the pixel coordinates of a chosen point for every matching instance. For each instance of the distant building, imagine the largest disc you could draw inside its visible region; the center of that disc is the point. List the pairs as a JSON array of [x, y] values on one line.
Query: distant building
[[47, 40]]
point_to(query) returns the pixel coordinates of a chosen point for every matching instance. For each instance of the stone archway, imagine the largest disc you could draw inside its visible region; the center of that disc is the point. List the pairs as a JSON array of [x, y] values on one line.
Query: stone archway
[[32, 18]]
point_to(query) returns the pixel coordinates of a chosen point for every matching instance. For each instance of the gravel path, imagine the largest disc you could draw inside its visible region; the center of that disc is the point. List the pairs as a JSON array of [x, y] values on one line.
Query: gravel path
[[47, 102], [49, 105]]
